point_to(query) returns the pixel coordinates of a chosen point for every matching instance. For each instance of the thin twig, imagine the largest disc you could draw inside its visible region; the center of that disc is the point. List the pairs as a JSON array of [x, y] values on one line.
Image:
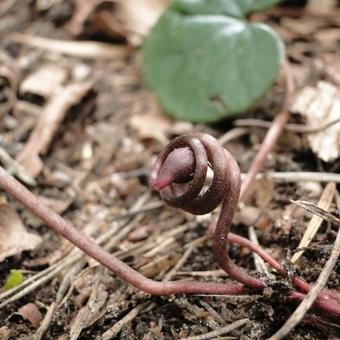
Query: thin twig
[[292, 176], [314, 209], [80, 49], [232, 134], [290, 127], [217, 317], [272, 135], [113, 331], [315, 222], [259, 263], [220, 331], [184, 258], [84, 313], [16, 169], [267, 145]]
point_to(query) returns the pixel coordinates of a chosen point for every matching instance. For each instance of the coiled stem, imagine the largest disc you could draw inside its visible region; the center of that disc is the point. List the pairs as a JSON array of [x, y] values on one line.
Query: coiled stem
[[180, 174], [224, 188]]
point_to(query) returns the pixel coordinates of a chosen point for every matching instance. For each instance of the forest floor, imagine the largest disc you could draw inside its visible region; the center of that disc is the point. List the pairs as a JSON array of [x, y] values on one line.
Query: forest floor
[[86, 130]]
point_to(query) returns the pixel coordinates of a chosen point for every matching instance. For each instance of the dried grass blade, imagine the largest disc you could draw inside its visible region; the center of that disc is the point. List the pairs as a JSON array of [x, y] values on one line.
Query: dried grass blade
[[315, 223]]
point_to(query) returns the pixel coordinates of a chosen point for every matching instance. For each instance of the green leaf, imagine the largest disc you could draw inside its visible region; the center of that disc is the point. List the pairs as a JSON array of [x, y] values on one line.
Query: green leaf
[[15, 278], [204, 67]]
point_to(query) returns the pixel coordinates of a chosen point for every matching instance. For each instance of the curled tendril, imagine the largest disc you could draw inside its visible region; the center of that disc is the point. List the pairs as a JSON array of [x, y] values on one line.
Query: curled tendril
[[174, 162], [180, 175]]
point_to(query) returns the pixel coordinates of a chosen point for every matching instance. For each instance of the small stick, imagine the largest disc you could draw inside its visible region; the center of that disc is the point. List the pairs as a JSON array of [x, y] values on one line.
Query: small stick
[[231, 135], [113, 331], [315, 223], [267, 145], [258, 261], [220, 331], [290, 127], [272, 135], [292, 176]]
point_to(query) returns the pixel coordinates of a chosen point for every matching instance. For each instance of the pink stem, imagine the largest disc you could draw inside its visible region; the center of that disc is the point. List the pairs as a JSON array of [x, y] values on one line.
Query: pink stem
[[297, 282], [88, 246]]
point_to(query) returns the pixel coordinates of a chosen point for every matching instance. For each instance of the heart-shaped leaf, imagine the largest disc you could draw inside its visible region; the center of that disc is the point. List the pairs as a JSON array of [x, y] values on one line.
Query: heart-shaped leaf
[[204, 66]]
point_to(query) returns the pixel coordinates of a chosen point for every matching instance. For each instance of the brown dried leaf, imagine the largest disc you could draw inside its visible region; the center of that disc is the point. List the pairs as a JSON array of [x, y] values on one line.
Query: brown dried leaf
[[13, 236], [31, 313], [321, 105]]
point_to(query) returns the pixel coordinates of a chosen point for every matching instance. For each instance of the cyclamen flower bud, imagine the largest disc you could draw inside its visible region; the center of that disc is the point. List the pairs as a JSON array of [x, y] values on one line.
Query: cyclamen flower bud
[[179, 167]]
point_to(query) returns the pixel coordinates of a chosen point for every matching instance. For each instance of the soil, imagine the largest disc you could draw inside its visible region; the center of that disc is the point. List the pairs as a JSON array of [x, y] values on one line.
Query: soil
[[96, 167]]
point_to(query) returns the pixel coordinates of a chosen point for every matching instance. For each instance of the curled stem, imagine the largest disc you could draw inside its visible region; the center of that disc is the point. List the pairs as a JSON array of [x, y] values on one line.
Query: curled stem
[[184, 190]]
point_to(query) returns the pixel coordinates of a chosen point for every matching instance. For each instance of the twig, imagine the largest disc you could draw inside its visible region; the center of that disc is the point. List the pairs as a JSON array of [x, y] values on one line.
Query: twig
[[314, 209], [299, 176], [15, 169], [314, 224], [54, 305], [267, 145], [191, 310], [217, 317], [272, 135], [46, 321], [84, 313], [113, 331], [220, 331], [47, 125], [231, 135], [80, 49], [290, 127], [259, 263], [312, 295], [184, 258]]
